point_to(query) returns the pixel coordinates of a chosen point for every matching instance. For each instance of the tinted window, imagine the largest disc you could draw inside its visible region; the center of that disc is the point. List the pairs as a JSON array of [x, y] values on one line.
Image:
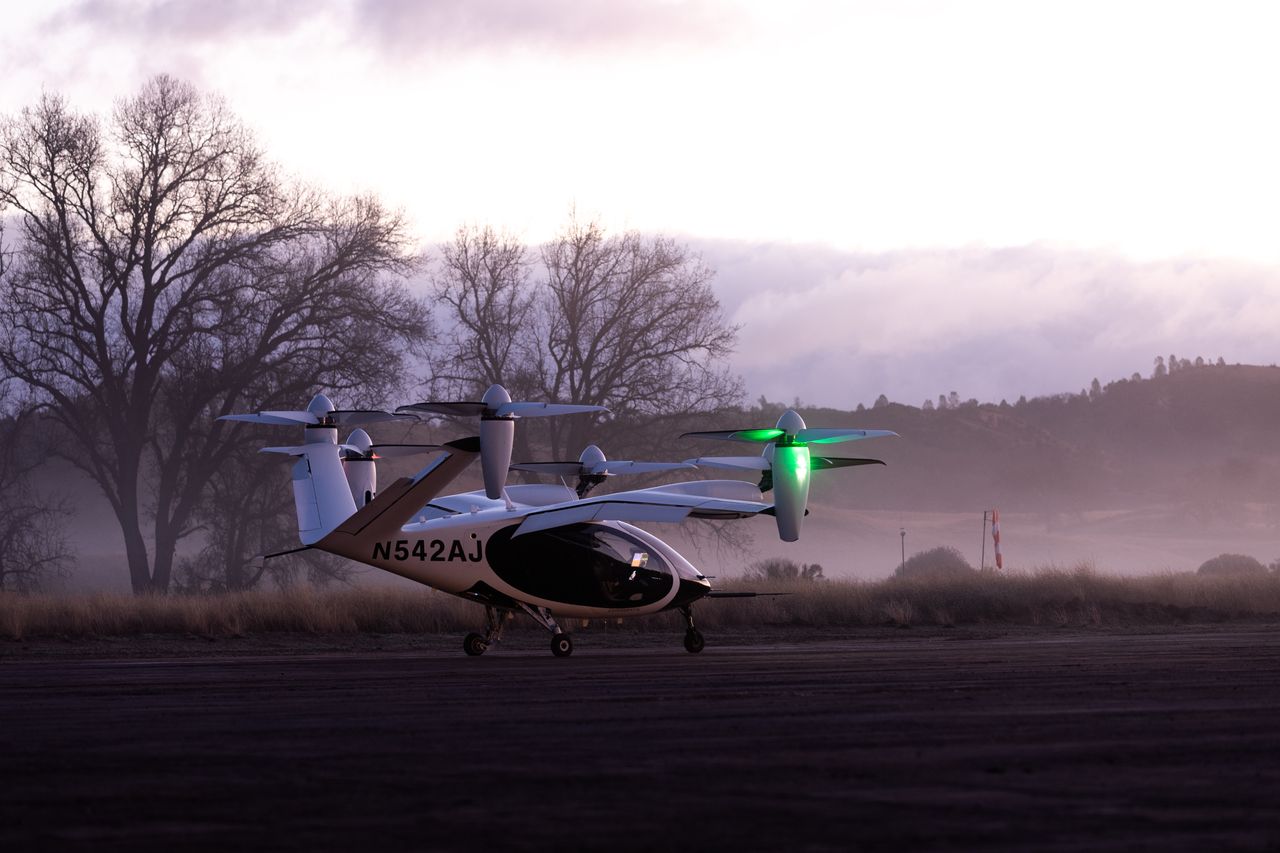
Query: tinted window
[[585, 564]]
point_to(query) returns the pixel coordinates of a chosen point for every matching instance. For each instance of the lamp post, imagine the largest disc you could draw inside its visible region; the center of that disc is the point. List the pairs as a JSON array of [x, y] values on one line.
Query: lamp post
[[902, 531]]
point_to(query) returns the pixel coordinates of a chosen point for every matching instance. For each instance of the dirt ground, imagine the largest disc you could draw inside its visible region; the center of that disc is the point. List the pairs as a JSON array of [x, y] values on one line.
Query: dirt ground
[[778, 740]]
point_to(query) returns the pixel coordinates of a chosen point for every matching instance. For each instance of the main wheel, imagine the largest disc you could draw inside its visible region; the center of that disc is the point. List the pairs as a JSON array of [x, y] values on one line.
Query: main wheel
[[561, 645], [693, 641], [474, 645]]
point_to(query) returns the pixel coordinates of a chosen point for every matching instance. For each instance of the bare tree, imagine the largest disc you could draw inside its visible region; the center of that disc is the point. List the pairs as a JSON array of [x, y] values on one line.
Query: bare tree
[[628, 322], [631, 323], [166, 275], [33, 547], [483, 279]]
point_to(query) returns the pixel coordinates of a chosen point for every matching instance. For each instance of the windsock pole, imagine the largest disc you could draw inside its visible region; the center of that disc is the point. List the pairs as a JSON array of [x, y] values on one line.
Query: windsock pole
[[982, 563], [995, 537]]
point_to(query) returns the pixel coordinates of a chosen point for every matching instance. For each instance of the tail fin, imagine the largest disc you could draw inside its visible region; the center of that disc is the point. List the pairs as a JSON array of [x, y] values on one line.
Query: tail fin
[[396, 505], [321, 493]]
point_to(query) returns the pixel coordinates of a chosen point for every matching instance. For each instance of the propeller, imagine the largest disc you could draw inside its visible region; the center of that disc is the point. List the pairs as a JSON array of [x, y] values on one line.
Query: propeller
[[498, 416], [764, 464], [786, 462], [358, 455], [592, 468], [319, 413]]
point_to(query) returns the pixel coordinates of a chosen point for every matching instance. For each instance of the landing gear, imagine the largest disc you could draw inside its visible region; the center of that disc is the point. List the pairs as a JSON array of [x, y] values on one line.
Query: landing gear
[[474, 645], [478, 644], [561, 643], [693, 640]]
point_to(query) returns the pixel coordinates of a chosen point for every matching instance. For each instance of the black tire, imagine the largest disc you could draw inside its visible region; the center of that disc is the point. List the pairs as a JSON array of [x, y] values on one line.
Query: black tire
[[474, 645], [561, 645], [693, 641]]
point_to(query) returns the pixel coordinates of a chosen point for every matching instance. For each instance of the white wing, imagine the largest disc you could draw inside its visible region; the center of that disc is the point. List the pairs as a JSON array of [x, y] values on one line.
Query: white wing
[[675, 502]]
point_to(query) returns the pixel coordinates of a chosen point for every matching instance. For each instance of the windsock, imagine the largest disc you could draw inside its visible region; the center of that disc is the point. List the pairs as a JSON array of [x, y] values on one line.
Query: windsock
[[995, 536]]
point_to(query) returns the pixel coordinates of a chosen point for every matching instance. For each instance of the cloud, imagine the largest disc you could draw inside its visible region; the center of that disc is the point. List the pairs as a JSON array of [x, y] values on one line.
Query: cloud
[[408, 27], [839, 328], [404, 25], [183, 20]]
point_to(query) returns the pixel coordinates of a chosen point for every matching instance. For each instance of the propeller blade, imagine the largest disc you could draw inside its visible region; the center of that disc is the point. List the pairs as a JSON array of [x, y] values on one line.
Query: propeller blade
[[737, 463], [288, 451], [832, 436], [278, 418], [822, 463], [540, 410], [627, 467], [395, 451], [461, 409], [350, 417], [758, 436], [561, 469]]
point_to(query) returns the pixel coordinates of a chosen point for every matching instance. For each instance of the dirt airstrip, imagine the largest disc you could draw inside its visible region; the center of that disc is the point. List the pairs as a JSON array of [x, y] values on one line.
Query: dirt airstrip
[[1047, 739]]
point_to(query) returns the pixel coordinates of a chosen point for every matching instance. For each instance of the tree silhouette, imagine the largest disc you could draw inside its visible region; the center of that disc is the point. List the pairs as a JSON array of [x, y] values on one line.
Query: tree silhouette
[[165, 275], [627, 322]]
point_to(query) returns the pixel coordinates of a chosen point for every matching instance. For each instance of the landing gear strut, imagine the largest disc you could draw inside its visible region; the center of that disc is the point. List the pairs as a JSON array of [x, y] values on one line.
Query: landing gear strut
[[477, 644], [561, 643], [693, 640]]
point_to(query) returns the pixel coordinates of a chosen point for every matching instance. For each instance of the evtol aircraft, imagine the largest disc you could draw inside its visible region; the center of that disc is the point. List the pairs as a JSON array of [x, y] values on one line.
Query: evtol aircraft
[[544, 550]]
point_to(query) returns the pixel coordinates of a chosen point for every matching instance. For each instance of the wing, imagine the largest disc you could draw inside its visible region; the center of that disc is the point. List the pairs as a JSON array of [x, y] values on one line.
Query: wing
[[563, 469], [699, 499], [737, 463], [628, 467]]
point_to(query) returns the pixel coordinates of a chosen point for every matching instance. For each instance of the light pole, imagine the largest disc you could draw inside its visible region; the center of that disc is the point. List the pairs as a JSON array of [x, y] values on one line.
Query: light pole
[[902, 531]]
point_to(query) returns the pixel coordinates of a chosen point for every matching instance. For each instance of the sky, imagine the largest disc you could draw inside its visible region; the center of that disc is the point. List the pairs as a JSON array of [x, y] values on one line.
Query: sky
[[904, 197]]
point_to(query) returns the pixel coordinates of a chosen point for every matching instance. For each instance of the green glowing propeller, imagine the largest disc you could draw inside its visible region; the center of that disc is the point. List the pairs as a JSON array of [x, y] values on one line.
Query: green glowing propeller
[[786, 462]]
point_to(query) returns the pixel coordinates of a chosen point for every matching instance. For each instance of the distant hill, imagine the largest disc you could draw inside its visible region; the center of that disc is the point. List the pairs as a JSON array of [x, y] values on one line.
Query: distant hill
[[1200, 435]]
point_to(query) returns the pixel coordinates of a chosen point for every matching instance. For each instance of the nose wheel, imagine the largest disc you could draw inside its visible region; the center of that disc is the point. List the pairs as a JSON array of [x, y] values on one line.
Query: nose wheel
[[693, 640], [561, 643]]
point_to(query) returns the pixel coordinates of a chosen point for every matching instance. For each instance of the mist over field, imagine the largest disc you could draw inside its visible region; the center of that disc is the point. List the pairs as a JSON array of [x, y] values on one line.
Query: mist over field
[[1142, 477]]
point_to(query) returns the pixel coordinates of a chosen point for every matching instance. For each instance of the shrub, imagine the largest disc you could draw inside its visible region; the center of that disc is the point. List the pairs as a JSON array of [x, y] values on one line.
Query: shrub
[[943, 560], [1232, 564], [782, 569]]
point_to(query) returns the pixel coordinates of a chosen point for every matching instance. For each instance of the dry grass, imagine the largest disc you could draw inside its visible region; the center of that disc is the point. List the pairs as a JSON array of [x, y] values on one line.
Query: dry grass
[[1048, 597], [1054, 596]]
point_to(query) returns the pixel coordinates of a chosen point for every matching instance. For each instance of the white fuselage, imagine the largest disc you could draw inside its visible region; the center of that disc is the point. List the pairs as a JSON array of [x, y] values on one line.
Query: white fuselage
[[589, 570]]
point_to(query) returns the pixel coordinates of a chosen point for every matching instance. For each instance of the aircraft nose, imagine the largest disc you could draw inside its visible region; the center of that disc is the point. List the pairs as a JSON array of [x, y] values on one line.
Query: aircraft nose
[[691, 589]]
